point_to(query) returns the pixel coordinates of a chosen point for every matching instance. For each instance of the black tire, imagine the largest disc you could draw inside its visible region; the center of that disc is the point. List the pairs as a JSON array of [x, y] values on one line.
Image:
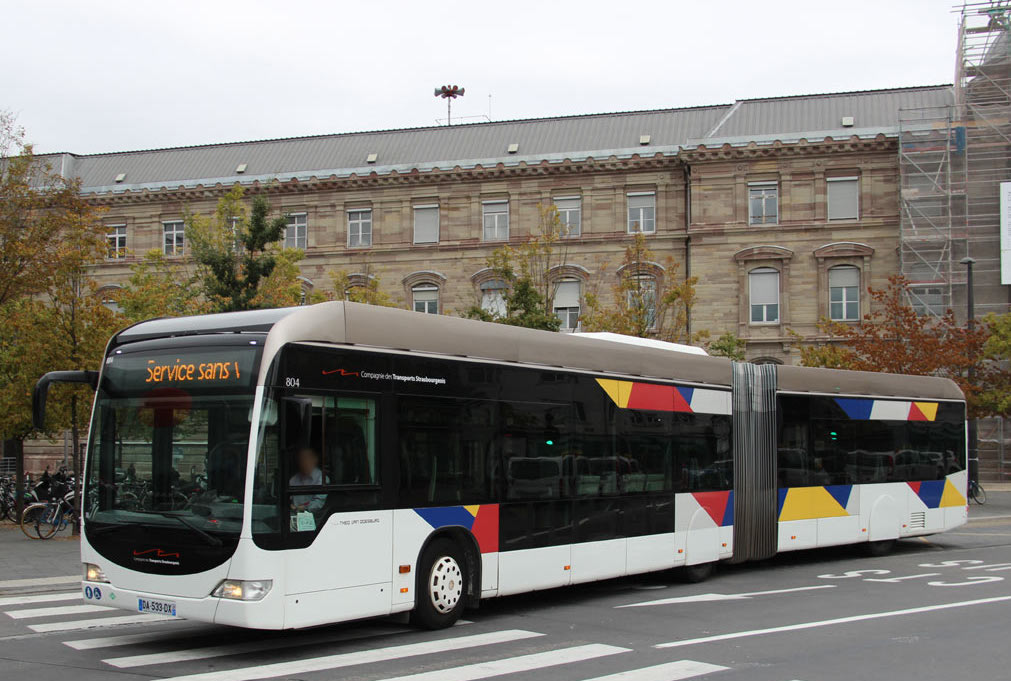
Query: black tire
[[879, 548], [978, 494], [700, 572], [441, 585]]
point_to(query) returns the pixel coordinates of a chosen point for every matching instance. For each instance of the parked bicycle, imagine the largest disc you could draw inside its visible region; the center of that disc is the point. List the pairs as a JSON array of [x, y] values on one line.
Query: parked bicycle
[[44, 520], [976, 492]]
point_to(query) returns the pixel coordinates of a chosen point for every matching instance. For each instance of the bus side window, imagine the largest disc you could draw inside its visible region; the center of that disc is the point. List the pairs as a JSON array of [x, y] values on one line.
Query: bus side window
[[350, 441]]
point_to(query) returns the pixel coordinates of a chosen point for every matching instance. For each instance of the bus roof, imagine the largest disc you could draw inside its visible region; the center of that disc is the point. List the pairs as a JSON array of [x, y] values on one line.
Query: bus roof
[[390, 328]]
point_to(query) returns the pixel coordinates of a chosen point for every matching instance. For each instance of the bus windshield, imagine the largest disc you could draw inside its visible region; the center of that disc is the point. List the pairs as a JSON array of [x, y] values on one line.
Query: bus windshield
[[168, 443]]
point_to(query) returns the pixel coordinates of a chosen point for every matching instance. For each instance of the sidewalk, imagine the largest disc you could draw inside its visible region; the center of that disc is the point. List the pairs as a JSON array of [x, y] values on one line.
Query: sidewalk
[[37, 565]]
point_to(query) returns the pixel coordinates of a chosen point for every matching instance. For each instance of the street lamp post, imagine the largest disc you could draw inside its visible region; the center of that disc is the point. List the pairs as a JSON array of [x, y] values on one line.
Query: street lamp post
[[970, 304]]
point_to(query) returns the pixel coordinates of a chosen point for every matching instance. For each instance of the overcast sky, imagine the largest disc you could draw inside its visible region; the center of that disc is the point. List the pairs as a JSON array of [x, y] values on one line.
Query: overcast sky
[[89, 77]]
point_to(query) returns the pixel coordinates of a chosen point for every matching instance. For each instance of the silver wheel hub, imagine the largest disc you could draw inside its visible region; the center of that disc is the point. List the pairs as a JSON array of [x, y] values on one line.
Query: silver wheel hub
[[445, 584]]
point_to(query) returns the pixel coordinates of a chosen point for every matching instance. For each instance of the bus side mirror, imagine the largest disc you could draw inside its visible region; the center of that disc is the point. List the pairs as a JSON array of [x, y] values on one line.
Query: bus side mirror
[[41, 391]]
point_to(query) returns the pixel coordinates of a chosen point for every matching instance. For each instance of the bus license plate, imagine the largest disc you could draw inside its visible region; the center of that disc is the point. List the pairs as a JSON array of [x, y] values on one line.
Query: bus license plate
[[156, 607]]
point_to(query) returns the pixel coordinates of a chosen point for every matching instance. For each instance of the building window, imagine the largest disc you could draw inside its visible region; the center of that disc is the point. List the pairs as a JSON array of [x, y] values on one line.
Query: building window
[[426, 298], [844, 293], [493, 298], [763, 203], [360, 228], [642, 297], [570, 210], [927, 300], [642, 213], [174, 233], [426, 224], [567, 295], [843, 198], [297, 232], [764, 295], [496, 220], [116, 236]]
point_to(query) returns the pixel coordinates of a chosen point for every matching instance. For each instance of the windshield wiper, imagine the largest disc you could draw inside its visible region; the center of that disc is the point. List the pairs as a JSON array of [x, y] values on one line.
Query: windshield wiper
[[210, 539]]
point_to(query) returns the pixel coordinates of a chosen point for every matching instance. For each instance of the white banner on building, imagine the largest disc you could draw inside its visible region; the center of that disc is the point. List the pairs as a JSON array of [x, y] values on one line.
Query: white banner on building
[[1005, 232]]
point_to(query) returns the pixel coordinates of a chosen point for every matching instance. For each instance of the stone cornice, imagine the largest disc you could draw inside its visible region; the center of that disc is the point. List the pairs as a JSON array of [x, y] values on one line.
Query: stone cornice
[[802, 147], [844, 249], [763, 252]]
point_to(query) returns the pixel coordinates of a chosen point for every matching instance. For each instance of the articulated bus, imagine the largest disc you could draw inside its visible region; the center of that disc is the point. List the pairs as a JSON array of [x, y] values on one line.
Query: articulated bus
[[290, 468]]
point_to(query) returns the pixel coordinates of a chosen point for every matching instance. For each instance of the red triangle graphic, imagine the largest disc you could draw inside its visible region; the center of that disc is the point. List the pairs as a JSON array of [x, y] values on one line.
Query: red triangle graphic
[[681, 405], [915, 486], [715, 504], [915, 414]]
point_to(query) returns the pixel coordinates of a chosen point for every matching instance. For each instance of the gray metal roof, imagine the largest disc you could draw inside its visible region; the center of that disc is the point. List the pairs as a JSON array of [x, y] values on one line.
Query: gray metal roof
[[551, 139]]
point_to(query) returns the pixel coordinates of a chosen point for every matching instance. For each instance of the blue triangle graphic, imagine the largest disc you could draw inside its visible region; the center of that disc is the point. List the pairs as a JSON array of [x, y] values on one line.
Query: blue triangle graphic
[[840, 493]]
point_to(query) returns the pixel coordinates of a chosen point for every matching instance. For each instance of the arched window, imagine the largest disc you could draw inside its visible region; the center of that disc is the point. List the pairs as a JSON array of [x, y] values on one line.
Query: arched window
[[844, 293], [567, 296], [763, 284], [493, 297], [426, 298]]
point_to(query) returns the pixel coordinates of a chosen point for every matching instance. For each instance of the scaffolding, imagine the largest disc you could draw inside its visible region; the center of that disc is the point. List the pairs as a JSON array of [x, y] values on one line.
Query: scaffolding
[[952, 160]]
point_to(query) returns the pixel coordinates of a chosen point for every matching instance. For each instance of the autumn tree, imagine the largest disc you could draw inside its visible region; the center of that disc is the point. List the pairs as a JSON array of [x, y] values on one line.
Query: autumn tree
[[160, 287], [527, 273], [240, 256], [641, 305], [894, 338], [362, 286]]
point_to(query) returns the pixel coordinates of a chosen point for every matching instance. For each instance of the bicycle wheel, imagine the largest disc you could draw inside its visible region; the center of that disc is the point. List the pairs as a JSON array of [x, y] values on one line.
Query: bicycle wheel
[[30, 517], [978, 494], [47, 525]]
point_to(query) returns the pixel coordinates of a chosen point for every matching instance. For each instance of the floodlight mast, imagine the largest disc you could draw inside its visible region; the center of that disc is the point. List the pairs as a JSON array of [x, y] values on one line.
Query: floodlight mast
[[449, 93]]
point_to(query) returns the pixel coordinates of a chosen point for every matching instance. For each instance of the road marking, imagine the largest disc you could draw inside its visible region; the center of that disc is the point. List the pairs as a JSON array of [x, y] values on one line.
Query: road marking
[[513, 665], [127, 640], [990, 567], [327, 662], [250, 647], [672, 671], [101, 622], [41, 598], [58, 610], [829, 623], [39, 581], [705, 598]]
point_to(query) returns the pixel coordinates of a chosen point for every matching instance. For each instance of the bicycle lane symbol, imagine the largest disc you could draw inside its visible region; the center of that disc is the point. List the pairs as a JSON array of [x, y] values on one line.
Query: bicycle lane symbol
[[878, 575]]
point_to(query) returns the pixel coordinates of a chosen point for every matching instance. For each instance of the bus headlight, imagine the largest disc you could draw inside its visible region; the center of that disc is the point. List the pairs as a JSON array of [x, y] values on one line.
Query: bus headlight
[[93, 573], [243, 589]]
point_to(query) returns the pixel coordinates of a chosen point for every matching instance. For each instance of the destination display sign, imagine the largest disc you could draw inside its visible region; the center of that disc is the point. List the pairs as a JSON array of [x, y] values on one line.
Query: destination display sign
[[218, 367]]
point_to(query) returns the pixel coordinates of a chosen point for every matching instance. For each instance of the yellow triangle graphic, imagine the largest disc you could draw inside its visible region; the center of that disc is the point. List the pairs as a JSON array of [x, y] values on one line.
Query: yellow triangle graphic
[[951, 496], [804, 503], [473, 509], [928, 409], [624, 392], [611, 388]]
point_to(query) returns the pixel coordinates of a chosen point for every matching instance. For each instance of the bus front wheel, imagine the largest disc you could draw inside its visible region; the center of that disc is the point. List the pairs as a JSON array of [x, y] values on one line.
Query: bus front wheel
[[442, 585]]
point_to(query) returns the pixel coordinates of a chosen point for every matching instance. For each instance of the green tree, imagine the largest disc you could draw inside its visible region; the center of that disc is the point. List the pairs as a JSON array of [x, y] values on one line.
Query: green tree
[[526, 270], [728, 345], [642, 306], [347, 288], [160, 287], [241, 260]]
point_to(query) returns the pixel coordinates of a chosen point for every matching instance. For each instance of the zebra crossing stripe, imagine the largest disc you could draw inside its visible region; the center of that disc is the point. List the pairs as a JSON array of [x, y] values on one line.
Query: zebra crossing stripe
[[127, 640], [671, 671], [285, 643], [54, 611], [75, 625], [39, 581], [317, 664], [40, 598], [513, 665]]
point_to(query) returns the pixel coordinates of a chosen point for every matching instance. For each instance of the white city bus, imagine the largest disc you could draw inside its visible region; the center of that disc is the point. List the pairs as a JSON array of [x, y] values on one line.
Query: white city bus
[[289, 468]]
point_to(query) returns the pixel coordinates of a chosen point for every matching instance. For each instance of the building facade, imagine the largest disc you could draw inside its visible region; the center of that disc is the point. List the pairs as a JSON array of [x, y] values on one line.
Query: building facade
[[786, 209]]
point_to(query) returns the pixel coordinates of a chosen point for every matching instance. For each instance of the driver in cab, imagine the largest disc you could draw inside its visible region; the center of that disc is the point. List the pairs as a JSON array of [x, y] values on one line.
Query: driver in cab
[[308, 474]]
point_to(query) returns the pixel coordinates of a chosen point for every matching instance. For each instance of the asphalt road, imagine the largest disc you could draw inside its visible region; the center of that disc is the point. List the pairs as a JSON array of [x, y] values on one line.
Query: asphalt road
[[938, 608]]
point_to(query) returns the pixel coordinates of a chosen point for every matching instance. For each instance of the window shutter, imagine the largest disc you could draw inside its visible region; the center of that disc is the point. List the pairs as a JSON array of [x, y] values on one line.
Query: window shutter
[[567, 294], [426, 225], [641, 200], [764, 287], [839, 277], [843, 199]]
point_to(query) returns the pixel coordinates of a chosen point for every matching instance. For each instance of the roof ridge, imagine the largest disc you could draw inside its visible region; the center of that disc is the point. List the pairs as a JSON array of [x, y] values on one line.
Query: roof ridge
[[387, 131], [848, 92]]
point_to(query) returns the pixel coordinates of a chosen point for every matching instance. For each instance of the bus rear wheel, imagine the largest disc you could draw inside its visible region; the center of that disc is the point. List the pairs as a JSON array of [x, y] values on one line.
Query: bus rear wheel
[[442, 585], [697, 573]]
